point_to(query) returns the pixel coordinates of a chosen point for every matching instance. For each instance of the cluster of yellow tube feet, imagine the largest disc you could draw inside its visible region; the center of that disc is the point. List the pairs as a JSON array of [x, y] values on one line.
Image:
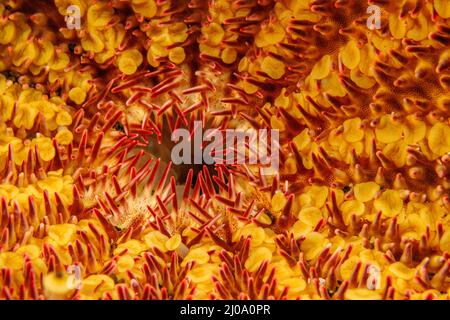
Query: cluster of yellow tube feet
[[359, 209]]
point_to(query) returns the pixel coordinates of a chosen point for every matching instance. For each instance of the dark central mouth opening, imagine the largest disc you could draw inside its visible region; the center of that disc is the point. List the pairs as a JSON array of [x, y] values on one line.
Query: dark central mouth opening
[[163, 151]]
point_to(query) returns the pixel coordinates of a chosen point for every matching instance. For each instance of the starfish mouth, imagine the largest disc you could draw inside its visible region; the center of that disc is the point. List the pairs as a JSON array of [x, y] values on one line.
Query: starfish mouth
[[117, 179]]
